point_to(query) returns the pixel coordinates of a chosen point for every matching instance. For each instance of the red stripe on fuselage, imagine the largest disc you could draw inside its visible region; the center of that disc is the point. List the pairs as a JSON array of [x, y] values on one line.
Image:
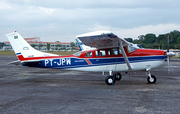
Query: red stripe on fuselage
[[21, 58], [146, 52], [136, 53]]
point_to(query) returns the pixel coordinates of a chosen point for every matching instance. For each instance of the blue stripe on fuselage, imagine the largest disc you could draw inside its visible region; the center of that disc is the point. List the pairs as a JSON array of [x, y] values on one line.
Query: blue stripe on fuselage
[[64, 63], [18, 53], [108, 61]]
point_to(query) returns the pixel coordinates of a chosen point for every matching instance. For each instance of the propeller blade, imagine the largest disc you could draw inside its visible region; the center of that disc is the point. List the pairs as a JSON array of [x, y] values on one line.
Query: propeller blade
[[168, 44], [168, 52]]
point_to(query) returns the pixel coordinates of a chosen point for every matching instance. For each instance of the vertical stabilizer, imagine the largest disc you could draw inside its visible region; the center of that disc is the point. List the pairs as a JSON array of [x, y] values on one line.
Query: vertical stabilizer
[[21, 47]]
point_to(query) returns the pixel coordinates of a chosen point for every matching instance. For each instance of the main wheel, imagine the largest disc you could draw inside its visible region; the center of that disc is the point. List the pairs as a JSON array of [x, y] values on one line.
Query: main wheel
[[151, 80], [118, 76], [110, 80]]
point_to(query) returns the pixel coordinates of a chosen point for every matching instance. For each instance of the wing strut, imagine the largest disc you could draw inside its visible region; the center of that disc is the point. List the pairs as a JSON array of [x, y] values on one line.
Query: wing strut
[[125, 56]]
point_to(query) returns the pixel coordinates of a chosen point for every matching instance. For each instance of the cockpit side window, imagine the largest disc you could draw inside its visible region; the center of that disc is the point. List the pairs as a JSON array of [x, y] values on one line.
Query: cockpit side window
[[88, 54]]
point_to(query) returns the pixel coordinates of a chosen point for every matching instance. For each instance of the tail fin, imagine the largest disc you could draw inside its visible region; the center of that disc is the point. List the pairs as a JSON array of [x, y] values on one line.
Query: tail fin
[[21, 47], [82, 46]]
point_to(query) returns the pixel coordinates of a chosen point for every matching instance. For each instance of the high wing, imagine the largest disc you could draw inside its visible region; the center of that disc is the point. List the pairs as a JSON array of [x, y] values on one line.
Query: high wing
[[105, 39], [101, 39]]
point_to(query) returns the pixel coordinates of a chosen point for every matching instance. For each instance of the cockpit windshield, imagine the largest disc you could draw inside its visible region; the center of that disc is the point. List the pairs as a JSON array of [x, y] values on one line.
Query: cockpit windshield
[[131, 48]]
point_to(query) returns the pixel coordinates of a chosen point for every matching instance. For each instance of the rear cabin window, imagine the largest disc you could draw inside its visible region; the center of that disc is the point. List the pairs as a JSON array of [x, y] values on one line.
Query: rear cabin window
[[100, 53], [88, 54], [113, 51]]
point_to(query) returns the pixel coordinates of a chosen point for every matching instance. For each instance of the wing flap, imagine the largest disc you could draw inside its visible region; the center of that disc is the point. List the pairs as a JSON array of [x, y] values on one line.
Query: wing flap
[[18, 62]]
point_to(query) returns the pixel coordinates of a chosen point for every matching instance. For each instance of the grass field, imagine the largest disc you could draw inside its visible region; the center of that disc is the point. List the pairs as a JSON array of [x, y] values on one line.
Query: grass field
[[54, 52]]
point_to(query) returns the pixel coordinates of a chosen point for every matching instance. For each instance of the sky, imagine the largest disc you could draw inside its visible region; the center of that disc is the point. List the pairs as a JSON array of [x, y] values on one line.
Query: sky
[[63, 20]]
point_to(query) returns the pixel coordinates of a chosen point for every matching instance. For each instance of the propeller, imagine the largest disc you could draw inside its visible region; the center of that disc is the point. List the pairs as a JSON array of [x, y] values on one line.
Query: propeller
[[169, 54]]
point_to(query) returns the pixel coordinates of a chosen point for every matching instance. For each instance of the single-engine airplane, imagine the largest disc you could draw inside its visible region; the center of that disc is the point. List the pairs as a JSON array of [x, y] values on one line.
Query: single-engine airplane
[[104, 52]]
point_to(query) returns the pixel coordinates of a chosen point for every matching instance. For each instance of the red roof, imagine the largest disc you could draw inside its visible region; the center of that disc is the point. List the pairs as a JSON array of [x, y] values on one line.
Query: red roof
[[27, 39], [76, 48], [6, 42], [48, 42]]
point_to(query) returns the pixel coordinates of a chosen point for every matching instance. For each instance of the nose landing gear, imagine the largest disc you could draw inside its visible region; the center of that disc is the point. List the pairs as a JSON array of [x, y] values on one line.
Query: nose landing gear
[[151, 79]]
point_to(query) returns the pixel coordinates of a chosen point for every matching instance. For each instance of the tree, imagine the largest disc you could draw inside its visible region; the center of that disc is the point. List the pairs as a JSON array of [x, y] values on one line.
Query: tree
[[151, 41], [72, 45], [48, 46], [143, 45], [178, 40], [174, 35], [33, 45], [177, 46], [155, 46], [136, 41], [141, 37], [160, 38], [129, 39], [40, 45], [58, 46], [149, 38], [2, 44]]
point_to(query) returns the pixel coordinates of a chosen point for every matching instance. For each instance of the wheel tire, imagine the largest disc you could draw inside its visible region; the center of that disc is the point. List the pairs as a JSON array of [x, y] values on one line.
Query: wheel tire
[[151, 81], [118, 76], [110, 80]]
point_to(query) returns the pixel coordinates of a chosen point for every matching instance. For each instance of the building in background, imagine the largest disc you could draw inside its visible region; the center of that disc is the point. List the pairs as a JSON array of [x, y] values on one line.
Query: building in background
[[44, 46]]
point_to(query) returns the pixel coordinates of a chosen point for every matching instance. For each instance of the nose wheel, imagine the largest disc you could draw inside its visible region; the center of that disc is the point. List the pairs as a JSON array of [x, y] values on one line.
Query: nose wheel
[[152, 79]]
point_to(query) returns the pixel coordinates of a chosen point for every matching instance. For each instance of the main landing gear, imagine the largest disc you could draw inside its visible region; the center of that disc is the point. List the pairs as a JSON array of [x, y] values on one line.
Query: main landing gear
[[110, 80]]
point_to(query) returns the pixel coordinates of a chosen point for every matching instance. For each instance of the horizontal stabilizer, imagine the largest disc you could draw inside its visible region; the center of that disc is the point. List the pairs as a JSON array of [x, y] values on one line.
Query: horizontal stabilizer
[[18, 62]]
